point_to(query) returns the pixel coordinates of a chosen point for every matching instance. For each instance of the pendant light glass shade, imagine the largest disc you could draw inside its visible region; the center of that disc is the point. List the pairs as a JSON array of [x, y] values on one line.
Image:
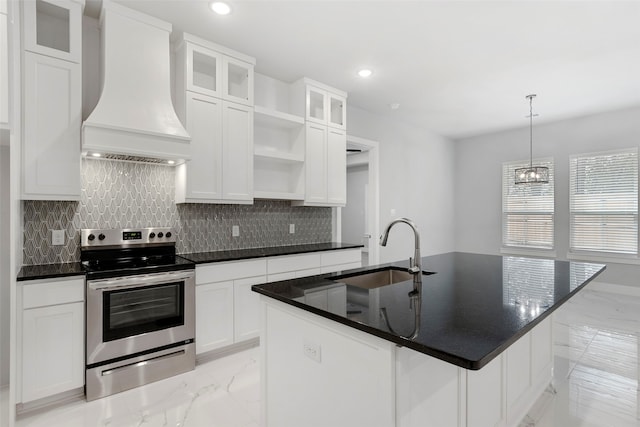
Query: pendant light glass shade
[[531, 174]]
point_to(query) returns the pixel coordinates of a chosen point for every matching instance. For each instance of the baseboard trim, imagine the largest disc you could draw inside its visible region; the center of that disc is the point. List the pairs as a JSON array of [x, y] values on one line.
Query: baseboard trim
[[226, 351], [47, 403]]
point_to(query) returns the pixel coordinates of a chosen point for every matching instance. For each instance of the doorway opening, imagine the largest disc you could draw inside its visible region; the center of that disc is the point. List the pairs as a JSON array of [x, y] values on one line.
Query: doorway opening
[[358, 221]]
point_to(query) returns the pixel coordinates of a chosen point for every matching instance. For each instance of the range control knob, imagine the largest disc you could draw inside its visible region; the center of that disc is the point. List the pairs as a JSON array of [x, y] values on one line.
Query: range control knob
[[101, 236], [152, 235], [160, 234], [168, 234], [91, 237]]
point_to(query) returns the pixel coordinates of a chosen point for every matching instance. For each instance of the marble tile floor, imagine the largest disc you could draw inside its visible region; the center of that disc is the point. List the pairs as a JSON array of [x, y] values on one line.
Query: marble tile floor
[[224, 392], [596, 362], [595, 380]]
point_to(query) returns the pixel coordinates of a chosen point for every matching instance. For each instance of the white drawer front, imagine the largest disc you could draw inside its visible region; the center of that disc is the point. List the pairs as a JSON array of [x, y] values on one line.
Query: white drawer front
[[341, 267], [344, 256], [281, 276], [41, 293], [219, 272], [283, 264]]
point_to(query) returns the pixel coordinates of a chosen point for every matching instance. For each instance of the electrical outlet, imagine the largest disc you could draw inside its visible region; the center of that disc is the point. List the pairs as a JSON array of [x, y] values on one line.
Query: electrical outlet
[[235, 230], [312, 351], [57, 237], [292, 228]]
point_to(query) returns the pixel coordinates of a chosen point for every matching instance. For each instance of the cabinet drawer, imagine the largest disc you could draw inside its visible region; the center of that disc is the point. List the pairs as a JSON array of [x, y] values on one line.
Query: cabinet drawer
[[345, 256], [340, 267], [219, 272], [283, 264], [287, 275], [41, 293]]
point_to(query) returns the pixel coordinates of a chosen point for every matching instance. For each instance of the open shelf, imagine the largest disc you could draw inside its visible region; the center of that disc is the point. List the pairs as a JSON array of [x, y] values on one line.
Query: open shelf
[[277, 155], [276, 119], [275, 195]]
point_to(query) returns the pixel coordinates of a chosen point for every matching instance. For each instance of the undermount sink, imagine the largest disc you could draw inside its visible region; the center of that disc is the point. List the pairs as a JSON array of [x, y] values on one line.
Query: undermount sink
[[376, 279]]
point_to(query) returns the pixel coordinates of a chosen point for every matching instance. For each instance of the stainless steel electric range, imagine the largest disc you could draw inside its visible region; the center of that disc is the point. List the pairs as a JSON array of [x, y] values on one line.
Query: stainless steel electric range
[[140, 314]]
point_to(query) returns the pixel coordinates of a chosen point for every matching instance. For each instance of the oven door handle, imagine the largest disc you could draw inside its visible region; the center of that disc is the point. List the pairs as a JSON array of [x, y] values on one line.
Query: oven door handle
[[137, 281]]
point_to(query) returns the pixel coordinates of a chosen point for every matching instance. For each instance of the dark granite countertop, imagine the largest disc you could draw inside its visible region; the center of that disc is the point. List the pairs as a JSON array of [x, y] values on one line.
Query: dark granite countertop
[[238, 254], [49, 271], [472, 308]]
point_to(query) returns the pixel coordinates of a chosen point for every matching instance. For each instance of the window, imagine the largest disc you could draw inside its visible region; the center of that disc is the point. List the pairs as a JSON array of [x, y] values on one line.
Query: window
[[527, 209], [604, 202]]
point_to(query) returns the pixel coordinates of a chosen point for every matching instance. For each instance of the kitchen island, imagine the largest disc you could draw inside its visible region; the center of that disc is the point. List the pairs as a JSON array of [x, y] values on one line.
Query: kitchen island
[[470, 346]]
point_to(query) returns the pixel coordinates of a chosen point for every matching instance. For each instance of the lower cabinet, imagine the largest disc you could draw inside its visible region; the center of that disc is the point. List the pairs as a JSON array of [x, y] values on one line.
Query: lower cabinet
[[51, 338], [228, 311], [214, 316]]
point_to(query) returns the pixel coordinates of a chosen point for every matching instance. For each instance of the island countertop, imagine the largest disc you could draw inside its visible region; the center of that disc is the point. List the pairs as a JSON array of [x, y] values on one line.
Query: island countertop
[[472, 309]]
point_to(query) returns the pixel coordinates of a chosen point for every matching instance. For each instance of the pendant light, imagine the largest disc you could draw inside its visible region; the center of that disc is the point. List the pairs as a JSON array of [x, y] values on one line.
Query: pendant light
[[532, 174]]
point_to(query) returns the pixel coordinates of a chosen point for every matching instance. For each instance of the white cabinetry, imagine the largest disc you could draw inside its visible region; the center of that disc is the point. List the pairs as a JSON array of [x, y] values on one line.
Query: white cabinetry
[[214, 99], [307, 356], [325, 143], [50, 337], [278, 155], [228, 311], [324, 105], [4, 66], [52, 99], [300, 142], [214, 315], [279, 142], [226, 308]]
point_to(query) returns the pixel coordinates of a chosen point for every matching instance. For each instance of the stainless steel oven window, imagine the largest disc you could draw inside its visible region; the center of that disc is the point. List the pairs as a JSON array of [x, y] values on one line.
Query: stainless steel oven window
[[128, 312]]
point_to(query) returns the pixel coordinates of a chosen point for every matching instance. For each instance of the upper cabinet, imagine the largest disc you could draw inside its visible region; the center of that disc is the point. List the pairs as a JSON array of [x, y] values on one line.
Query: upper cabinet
[[52, 99], [54, 28], [325, 142], [320, 103], [300, 142], [213, 70], [214, 100]]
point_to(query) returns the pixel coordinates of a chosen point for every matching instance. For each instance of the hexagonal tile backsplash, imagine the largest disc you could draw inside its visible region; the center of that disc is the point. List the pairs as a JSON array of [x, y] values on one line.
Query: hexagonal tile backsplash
[[124, 194]]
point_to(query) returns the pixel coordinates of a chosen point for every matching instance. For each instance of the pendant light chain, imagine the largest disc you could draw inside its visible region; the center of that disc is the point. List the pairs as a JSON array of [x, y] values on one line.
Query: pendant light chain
[[531, 130]]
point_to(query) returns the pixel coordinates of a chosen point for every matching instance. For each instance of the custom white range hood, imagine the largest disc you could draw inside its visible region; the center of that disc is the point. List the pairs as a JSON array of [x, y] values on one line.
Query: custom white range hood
[[134, 116]]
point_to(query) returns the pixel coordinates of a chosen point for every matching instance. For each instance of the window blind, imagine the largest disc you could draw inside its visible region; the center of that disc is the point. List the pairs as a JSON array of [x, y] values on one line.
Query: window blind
[[604, 202], [527, 209]]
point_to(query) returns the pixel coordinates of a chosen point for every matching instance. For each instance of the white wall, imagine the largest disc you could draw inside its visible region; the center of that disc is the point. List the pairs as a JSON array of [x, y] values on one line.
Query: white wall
[[478, 189], [416, 180], [4, 264]]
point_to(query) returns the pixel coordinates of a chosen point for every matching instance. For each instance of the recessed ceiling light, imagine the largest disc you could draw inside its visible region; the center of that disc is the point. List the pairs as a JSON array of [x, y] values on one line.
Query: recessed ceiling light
[[96, 154], [220, 7], [365, 72]]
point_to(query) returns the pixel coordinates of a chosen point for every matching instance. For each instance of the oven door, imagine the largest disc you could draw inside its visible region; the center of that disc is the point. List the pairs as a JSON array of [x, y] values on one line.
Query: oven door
[[135, 314]]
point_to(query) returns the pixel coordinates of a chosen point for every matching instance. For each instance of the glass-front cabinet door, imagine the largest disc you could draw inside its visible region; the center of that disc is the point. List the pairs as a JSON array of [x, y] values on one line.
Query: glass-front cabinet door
[[316, 105], [337, 111], [238, 85], [204, 71], [54, 28]]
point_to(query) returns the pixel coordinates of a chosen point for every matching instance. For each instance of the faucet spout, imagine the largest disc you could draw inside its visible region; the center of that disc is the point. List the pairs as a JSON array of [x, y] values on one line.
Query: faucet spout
[[415, 264]]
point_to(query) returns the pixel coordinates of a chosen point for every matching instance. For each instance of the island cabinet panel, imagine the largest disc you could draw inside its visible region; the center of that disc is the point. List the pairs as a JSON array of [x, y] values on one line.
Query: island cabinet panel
[[485, 395], [433, 396], [316, 375], [432, 392]]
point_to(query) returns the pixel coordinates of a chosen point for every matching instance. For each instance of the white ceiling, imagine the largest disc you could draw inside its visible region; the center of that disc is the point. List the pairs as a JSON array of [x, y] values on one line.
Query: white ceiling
[[458, 68]]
